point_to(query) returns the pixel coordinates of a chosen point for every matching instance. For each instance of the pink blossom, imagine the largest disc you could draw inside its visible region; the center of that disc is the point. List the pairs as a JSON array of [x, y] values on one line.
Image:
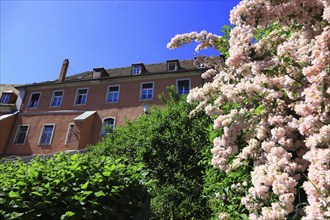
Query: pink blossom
[[284, 184], [209, 73], [287, 200], [309, 125], [267, 146], [287, 76]]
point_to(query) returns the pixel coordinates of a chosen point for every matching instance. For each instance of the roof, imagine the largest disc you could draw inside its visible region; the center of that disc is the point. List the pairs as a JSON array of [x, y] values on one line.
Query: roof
[[157, 68], [84, 115]]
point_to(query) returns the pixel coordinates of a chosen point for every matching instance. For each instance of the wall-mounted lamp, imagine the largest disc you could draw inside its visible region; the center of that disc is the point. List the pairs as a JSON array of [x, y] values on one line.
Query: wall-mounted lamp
[[146, 109]]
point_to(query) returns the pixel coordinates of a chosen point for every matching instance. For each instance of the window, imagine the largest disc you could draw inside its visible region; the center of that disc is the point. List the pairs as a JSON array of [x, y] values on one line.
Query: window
[[147, 90], [183, 86], [69, 134], [46, 134], [136, 70], [107, 126], [171, 66], [5, 98], [201, 66], [113, 94], [56, 99], [81, 97], [34, 100], [21, 134]]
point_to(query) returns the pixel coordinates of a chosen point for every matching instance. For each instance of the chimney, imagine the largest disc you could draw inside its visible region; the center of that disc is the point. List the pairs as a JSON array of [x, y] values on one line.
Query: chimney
[[64, 69]]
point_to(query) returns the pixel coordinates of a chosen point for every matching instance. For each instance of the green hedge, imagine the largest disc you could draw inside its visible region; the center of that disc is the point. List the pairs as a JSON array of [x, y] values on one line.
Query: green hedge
[[171, 145], [71, 187]]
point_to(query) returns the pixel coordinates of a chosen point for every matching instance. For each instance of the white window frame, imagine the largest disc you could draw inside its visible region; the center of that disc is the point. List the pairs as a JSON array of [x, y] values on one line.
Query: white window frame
[[27, 132], [76, 97], [5, 97], [175, 66], [32, 93], [68, 132], [136, 67], [51, 101], [42, 131], [102, 127], [153, 90], [177, 84], [107, 96]]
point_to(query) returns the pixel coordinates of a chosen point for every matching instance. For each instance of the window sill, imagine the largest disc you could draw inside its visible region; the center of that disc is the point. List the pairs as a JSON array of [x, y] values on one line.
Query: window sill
[[79, 104], [143, 100], [112, 102]]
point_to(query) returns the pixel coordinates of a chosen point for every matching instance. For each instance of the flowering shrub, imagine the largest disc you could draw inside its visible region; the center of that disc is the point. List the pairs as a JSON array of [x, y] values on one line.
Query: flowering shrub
[[225, 191], [276, 82]]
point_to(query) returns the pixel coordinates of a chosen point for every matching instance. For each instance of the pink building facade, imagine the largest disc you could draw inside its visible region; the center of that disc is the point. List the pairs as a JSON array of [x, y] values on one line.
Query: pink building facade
[[73, 112]]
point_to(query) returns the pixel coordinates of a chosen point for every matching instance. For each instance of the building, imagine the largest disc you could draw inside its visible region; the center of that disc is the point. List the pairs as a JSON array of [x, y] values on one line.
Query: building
[[74, 111]]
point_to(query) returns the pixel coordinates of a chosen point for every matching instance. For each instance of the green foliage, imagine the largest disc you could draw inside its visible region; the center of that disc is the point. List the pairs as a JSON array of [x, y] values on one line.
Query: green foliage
[[225, 191], [170, 144], [223, 45], [71, 187], [166, 150]]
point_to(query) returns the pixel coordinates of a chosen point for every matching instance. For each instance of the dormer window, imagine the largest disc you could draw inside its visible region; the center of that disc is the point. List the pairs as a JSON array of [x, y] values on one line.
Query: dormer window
[[172, 65], [136, 70], [99, 72], [201, 66], [5, 98]]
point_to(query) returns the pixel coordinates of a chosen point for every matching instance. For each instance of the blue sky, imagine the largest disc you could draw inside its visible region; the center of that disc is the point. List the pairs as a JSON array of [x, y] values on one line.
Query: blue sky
[[36, 36]]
